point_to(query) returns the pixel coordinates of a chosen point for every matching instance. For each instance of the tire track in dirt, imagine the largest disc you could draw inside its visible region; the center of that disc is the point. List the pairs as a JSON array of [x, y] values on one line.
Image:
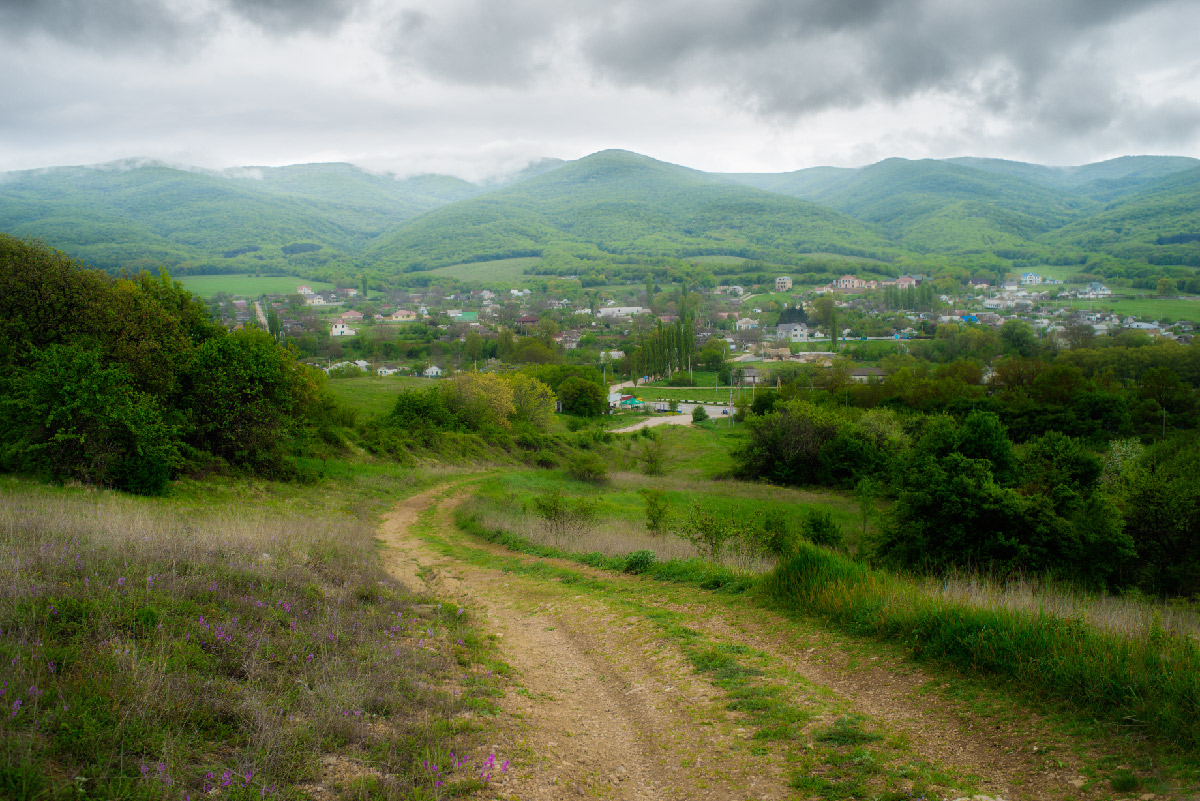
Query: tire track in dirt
[[610, 708], [606, 707], [999, 754]]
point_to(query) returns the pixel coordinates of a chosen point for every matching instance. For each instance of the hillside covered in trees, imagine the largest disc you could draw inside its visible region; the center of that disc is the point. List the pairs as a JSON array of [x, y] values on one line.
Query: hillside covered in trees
[[1132, 218]]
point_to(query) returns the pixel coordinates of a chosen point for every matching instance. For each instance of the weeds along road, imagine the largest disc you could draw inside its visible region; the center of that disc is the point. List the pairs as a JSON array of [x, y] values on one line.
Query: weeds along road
[[629, 688]]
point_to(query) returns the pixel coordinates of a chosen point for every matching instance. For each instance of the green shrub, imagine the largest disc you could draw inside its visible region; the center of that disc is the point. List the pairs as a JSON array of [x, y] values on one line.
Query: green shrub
[[1124, 781], [820, 529], [565, 519], [657, 510], [1151, 683], [588, 467], [777, 536], [699, 414], [654, 456], [639, 561]]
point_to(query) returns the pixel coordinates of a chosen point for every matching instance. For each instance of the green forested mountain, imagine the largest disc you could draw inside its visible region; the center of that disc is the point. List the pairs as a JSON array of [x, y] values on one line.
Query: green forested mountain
[[807, 184], [626, 205], [130, 214], [333, 221], [932, 206], [1103, 180], [1159, 223]]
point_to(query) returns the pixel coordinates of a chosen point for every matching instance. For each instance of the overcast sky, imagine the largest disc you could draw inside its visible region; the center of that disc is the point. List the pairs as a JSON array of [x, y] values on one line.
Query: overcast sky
[[476, 87]]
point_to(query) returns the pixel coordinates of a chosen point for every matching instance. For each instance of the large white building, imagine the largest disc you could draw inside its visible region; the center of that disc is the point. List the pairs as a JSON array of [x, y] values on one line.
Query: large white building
[[793, 332], [620, 311]]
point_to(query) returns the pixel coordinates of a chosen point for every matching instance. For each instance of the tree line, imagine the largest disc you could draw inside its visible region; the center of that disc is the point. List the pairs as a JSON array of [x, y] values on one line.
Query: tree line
[[126, 381], [1058, 465]]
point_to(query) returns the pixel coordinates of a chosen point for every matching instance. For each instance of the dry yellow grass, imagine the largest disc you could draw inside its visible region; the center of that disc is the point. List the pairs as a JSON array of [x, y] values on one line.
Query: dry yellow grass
[[615, 538], [1128, 616]]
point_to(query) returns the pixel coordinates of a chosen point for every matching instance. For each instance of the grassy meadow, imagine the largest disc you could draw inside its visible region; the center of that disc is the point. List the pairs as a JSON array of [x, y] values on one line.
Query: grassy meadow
[[375, 395], [248, 286], [232, 640], [1144, 307], [692, 466], [500, 270], [1133, 662], [1129, 660]]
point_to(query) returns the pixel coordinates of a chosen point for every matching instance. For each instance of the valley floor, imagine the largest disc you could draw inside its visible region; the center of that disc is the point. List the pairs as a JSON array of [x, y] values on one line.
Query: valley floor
[[630, 688]]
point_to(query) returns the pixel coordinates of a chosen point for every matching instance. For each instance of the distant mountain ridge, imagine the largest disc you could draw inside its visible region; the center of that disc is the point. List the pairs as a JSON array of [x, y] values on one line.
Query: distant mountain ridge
[[612, 205], [624, 204]]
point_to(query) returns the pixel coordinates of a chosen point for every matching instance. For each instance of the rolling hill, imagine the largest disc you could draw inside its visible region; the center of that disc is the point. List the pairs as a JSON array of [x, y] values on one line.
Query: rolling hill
[[338, 220], [1158, 223], [1103, 180], [122, 214], [933, 206], [626, 205]]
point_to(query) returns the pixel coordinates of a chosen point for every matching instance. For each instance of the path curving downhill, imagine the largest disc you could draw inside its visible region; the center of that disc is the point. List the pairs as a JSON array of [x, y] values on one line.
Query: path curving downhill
[[608, 702]]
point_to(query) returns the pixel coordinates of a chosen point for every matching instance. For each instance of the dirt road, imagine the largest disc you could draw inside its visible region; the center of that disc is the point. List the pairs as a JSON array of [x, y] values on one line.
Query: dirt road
[[616, 695]]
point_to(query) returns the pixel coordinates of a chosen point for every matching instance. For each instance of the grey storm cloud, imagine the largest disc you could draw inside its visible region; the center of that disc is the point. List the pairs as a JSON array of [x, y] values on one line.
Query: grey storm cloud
[[287, 16], [1038, 60], [789, 56], [1023, 77], [81, 22], [159, 23]]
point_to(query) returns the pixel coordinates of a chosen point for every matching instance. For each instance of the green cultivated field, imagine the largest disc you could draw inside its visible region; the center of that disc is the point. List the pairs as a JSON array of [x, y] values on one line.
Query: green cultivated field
[[1156, 308], [1061, 272], [723, 260], [759, 300], [247, 286], [701, 394], [372, 394], [499, 270]]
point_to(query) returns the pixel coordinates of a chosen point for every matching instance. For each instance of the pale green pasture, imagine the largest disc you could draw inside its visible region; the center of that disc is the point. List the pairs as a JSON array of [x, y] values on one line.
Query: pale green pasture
[[374, 395], [1146, 307], [247, 286], [1061, 272], [499, 270]]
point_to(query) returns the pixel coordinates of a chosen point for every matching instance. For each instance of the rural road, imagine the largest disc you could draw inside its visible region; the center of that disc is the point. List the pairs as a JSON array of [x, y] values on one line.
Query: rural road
[[607, 703]]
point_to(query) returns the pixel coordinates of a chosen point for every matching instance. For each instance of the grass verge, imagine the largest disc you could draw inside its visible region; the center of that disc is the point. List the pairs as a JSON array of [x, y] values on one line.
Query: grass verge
[[1145, 686], [785, 714], [163, 650], [1149, 683]]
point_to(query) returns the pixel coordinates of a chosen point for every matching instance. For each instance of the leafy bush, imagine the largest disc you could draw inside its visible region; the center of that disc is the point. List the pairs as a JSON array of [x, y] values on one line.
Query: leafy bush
[[588, 467], [639, 561], [582, 397], [423, 408], [565, 519], [681, 379], [657, 510], [68, 416], [785, 446], [820, 529], [777, 536], [653, 457], [699, 414]]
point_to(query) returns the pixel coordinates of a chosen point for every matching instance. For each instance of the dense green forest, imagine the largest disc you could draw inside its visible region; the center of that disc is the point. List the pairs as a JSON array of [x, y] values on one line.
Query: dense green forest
[[1129, 219], [127, 382], [1081, 463]]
